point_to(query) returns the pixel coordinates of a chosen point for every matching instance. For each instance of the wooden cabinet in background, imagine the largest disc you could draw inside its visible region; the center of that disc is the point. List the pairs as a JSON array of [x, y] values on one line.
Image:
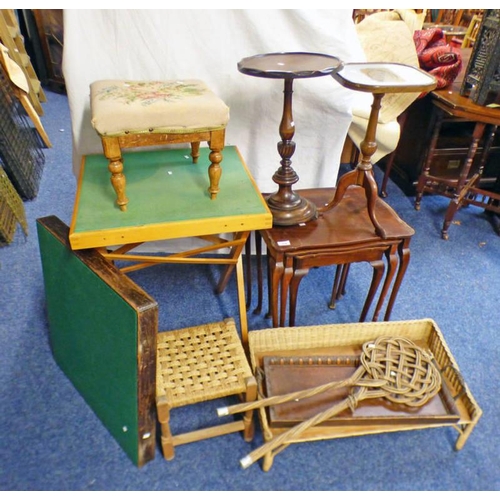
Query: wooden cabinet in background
[[49, 23]]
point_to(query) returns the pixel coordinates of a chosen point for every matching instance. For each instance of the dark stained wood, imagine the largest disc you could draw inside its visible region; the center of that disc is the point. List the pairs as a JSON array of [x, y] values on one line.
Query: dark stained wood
[[378, 79], [340, 236], [449, 104], [287, 207]]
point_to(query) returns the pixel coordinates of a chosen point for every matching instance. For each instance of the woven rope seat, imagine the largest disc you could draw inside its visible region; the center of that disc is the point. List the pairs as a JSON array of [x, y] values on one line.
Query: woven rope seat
[[199, 364], [131, 113]]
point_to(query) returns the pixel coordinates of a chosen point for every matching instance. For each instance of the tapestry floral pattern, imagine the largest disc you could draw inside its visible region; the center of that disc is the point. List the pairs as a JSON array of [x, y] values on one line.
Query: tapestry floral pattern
[[151, 92]]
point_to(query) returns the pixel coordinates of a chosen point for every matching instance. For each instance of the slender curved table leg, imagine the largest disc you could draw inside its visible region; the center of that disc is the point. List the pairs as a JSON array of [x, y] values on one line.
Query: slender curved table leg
[[404, 260], [248, 271], [298, 274], [378, 273], [336, 285], [275, 274], [392, 264], [285, 285], [258, 252], [345, 273], [339, 284]]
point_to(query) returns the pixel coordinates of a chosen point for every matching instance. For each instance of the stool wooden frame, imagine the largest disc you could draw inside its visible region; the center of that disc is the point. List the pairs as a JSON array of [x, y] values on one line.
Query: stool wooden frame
[[113, 145], [200, 364]]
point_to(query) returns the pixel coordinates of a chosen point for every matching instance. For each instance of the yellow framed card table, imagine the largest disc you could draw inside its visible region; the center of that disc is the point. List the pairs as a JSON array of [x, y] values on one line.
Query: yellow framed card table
[[170, 201]]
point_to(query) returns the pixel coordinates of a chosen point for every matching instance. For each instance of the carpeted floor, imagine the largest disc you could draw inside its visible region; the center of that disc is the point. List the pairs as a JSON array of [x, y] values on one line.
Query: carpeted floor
[[51, 440]]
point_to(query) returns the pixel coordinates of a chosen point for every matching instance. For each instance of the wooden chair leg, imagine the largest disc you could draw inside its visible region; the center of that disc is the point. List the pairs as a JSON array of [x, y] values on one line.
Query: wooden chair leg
[[167, 444], [195, 151]]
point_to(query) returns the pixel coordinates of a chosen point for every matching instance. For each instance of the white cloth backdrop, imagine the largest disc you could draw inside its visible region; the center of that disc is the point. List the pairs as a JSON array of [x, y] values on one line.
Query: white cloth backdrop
[[207, 45]]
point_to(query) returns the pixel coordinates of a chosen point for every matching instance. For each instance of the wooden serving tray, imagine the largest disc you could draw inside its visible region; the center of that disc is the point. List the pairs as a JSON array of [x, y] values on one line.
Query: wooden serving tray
[[286, 374]]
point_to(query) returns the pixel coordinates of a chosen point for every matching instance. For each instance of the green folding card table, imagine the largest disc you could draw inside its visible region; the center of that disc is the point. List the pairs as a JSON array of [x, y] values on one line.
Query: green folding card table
[[170, 201]]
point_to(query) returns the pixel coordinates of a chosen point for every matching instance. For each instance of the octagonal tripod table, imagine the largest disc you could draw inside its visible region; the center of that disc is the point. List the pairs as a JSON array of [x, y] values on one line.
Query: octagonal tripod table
[[287, 206], [379, 79]]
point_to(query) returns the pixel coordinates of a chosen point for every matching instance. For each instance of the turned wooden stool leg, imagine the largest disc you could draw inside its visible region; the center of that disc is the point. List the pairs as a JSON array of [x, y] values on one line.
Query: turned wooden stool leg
[[195, 151], [216, 145], [251, 395], [167, 443], [112, 152]]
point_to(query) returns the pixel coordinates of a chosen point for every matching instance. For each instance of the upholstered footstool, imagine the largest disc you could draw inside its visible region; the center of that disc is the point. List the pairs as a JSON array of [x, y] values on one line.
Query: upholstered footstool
[[130, 114]]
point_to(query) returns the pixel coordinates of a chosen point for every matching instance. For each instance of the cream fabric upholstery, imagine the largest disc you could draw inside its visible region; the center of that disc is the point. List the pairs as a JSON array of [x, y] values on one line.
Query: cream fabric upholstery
[[385, 37], [387, 136], [169, 106]]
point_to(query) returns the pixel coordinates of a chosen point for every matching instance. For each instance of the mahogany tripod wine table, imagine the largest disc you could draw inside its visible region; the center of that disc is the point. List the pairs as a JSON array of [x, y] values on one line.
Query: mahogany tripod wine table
[[287, 206]]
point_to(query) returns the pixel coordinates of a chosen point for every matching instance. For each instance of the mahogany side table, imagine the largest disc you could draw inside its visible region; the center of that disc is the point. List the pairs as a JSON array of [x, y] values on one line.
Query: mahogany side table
[[449, 104], [287, 206]]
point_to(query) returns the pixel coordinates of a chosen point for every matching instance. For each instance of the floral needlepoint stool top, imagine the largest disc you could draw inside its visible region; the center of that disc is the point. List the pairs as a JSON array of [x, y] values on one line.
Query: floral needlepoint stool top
[[128, 113]]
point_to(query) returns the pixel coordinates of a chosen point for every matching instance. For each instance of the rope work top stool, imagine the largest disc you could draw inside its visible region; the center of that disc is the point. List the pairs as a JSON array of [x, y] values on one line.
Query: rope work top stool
[[128, 114], [199, 364]]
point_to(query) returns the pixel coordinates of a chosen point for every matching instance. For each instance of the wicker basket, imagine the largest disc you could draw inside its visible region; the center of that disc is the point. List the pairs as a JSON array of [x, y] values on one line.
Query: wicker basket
[[11, 210], [348, 339]]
